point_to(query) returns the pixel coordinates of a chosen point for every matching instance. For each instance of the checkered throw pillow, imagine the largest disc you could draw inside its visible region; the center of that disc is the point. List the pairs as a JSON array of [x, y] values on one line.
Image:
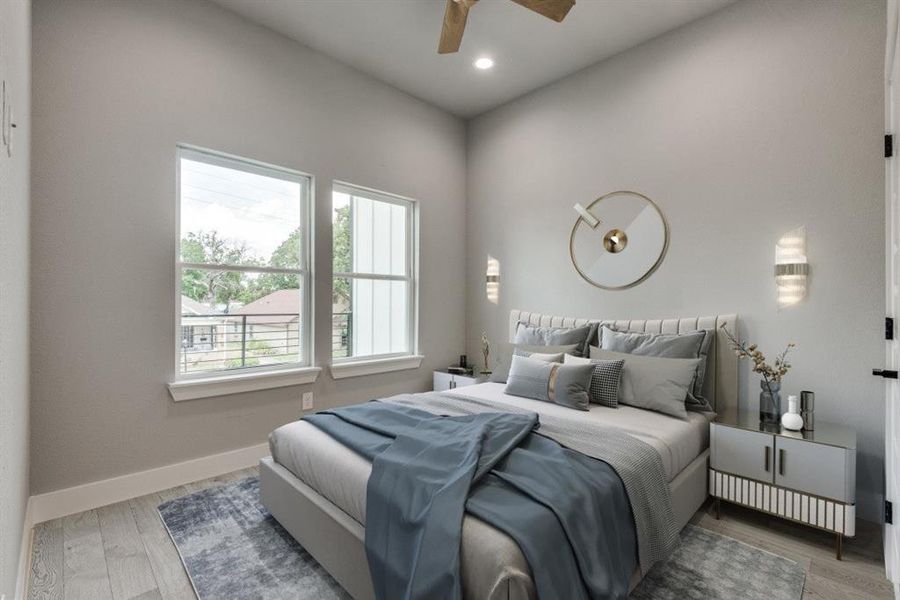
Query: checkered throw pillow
[[605, 379], [605, 382]]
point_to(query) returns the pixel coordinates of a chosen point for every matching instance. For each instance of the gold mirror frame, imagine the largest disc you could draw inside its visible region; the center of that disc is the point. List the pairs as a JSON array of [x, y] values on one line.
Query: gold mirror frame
[[649, 272]]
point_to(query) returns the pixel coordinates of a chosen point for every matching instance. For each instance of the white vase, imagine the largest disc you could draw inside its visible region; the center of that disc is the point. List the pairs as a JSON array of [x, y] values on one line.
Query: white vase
[[792, 419]]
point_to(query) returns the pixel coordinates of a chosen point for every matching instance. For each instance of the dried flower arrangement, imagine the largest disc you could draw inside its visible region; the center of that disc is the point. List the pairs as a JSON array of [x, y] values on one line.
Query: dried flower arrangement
[[771, 373]]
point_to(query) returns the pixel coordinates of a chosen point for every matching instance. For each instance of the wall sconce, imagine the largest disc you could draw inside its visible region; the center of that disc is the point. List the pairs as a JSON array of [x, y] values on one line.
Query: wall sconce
[[492, 280], [791, 267]]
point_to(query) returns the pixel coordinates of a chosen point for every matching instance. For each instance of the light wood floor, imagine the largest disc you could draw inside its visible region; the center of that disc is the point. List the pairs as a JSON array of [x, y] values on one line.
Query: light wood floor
[[122, 552]]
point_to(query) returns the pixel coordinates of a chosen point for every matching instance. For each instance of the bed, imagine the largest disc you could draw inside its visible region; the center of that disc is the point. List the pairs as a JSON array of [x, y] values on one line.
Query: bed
[[316, 487]]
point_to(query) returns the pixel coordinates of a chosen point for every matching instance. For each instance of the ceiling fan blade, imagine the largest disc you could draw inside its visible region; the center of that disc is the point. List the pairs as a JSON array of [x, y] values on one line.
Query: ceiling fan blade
[[455, 15], [552, 9]]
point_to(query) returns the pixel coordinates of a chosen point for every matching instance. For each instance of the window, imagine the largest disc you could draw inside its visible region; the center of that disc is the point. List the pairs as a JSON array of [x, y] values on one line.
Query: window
[[374, 293], [243, 272]]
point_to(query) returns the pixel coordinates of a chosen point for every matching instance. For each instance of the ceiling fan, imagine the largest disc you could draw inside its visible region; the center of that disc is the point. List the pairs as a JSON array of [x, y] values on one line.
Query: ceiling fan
[[457, 12]]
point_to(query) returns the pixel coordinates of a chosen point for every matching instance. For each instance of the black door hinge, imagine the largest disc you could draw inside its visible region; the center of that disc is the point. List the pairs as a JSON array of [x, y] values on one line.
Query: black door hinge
[[888, 512], [886, 373], [888, 328], [888, 146]]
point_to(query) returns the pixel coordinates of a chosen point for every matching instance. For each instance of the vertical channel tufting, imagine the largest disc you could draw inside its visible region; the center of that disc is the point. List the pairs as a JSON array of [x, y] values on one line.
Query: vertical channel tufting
[[654, 326], [706, 323], [669, 326], [687, 324]]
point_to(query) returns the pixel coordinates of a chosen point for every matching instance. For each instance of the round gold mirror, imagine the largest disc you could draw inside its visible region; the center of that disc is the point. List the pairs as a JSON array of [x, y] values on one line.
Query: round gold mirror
[[618, 240]]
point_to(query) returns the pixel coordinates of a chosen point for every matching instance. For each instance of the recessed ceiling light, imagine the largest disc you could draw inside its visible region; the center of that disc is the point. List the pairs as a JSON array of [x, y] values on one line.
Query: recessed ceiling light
[[484, 63]]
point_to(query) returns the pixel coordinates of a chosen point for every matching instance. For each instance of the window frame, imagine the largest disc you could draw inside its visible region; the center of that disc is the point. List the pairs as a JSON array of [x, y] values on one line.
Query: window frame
[[304, 369], [411, 277]]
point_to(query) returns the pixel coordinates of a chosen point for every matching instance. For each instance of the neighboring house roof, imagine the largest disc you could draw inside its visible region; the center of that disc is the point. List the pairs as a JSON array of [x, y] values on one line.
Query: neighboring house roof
[[189, 306], [278, 307]]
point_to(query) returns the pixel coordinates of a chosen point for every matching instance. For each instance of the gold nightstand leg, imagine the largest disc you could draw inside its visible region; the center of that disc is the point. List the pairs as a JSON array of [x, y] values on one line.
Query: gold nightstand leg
[[839, 545]]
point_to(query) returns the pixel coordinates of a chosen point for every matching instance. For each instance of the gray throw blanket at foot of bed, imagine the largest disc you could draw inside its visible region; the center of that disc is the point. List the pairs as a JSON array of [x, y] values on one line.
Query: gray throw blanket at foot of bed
[[568, 512]]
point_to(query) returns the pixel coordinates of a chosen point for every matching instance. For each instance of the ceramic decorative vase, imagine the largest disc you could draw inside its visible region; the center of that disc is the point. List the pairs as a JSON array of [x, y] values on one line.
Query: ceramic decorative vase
[[792, 419], [770, 402]]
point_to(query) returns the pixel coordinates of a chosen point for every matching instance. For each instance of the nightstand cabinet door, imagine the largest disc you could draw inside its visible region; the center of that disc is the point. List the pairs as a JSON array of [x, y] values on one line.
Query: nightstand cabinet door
[[443, 381], [749, 454], [817, 469]]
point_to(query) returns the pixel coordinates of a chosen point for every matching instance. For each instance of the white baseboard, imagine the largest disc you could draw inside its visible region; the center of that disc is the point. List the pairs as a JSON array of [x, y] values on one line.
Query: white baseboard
[[69, 501], [24, 571]]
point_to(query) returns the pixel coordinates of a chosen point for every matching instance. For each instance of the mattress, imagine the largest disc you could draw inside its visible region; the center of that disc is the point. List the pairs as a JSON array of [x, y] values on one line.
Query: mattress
[[341, 475]]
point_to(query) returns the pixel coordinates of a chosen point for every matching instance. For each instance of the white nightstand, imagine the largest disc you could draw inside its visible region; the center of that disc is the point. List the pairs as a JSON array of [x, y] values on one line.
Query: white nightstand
[[803, 476], [444, 381]]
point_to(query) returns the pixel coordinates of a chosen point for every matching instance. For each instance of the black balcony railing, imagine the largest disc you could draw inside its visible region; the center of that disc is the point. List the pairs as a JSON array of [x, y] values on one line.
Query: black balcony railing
[[217, 342], [341, 334]]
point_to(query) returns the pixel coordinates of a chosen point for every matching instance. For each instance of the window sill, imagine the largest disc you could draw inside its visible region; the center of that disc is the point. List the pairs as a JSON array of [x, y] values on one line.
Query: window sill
[[358, 368], [222, 385]]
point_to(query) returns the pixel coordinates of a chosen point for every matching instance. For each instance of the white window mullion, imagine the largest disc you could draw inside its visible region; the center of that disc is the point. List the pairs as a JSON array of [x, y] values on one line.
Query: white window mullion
[[240, 268]]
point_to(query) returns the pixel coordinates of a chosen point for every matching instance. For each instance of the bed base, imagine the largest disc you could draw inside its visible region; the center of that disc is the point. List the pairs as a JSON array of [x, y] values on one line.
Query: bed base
[[337, 541]]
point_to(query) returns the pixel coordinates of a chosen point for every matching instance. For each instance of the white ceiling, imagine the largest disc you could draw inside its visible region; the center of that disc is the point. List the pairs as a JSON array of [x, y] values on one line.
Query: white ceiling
[[396, 41]]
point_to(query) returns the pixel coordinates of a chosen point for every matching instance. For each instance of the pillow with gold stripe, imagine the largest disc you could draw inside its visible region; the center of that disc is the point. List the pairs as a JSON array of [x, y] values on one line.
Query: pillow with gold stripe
[[566, 385]]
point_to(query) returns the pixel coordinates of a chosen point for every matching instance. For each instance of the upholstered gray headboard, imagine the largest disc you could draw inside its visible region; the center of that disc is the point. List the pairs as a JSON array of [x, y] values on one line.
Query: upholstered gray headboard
[[721, 387]]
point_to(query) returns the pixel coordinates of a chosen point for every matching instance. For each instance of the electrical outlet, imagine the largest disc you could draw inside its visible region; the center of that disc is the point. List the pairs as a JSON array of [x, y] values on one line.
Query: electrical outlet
[[307, 400]]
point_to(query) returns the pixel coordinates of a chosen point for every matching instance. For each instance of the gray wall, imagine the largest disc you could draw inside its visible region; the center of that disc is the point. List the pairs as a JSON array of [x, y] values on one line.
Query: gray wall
[[741, 126], [116, 86], [15, 53]]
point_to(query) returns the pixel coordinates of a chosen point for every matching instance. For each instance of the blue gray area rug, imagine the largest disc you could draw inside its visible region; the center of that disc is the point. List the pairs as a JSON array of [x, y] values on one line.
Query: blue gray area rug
[[233, 548]]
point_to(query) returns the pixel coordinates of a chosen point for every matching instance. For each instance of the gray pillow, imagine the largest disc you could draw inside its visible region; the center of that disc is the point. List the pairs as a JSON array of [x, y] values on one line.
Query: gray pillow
[[544, 356], [566, 385], [694, 344], [529, 349], [556, 336], [653, 382], [605, 380]]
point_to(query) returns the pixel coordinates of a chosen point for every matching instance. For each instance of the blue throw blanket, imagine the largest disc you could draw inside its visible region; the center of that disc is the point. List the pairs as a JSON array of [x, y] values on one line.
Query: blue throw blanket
[[569, 513]]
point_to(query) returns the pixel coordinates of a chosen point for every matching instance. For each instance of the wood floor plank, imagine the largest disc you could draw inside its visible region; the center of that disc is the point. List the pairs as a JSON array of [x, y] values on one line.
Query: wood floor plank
[[130, 574], [46, 563], [85, 574], [172, 493], [828, 589], [171, 578], [862, 576]]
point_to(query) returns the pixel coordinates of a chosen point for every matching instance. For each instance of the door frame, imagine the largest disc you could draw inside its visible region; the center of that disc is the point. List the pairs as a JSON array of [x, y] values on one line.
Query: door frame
[[892, 298]]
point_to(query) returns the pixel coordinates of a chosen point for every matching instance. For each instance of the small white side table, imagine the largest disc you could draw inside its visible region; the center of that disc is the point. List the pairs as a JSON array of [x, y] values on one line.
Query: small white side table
[[444, 380]]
